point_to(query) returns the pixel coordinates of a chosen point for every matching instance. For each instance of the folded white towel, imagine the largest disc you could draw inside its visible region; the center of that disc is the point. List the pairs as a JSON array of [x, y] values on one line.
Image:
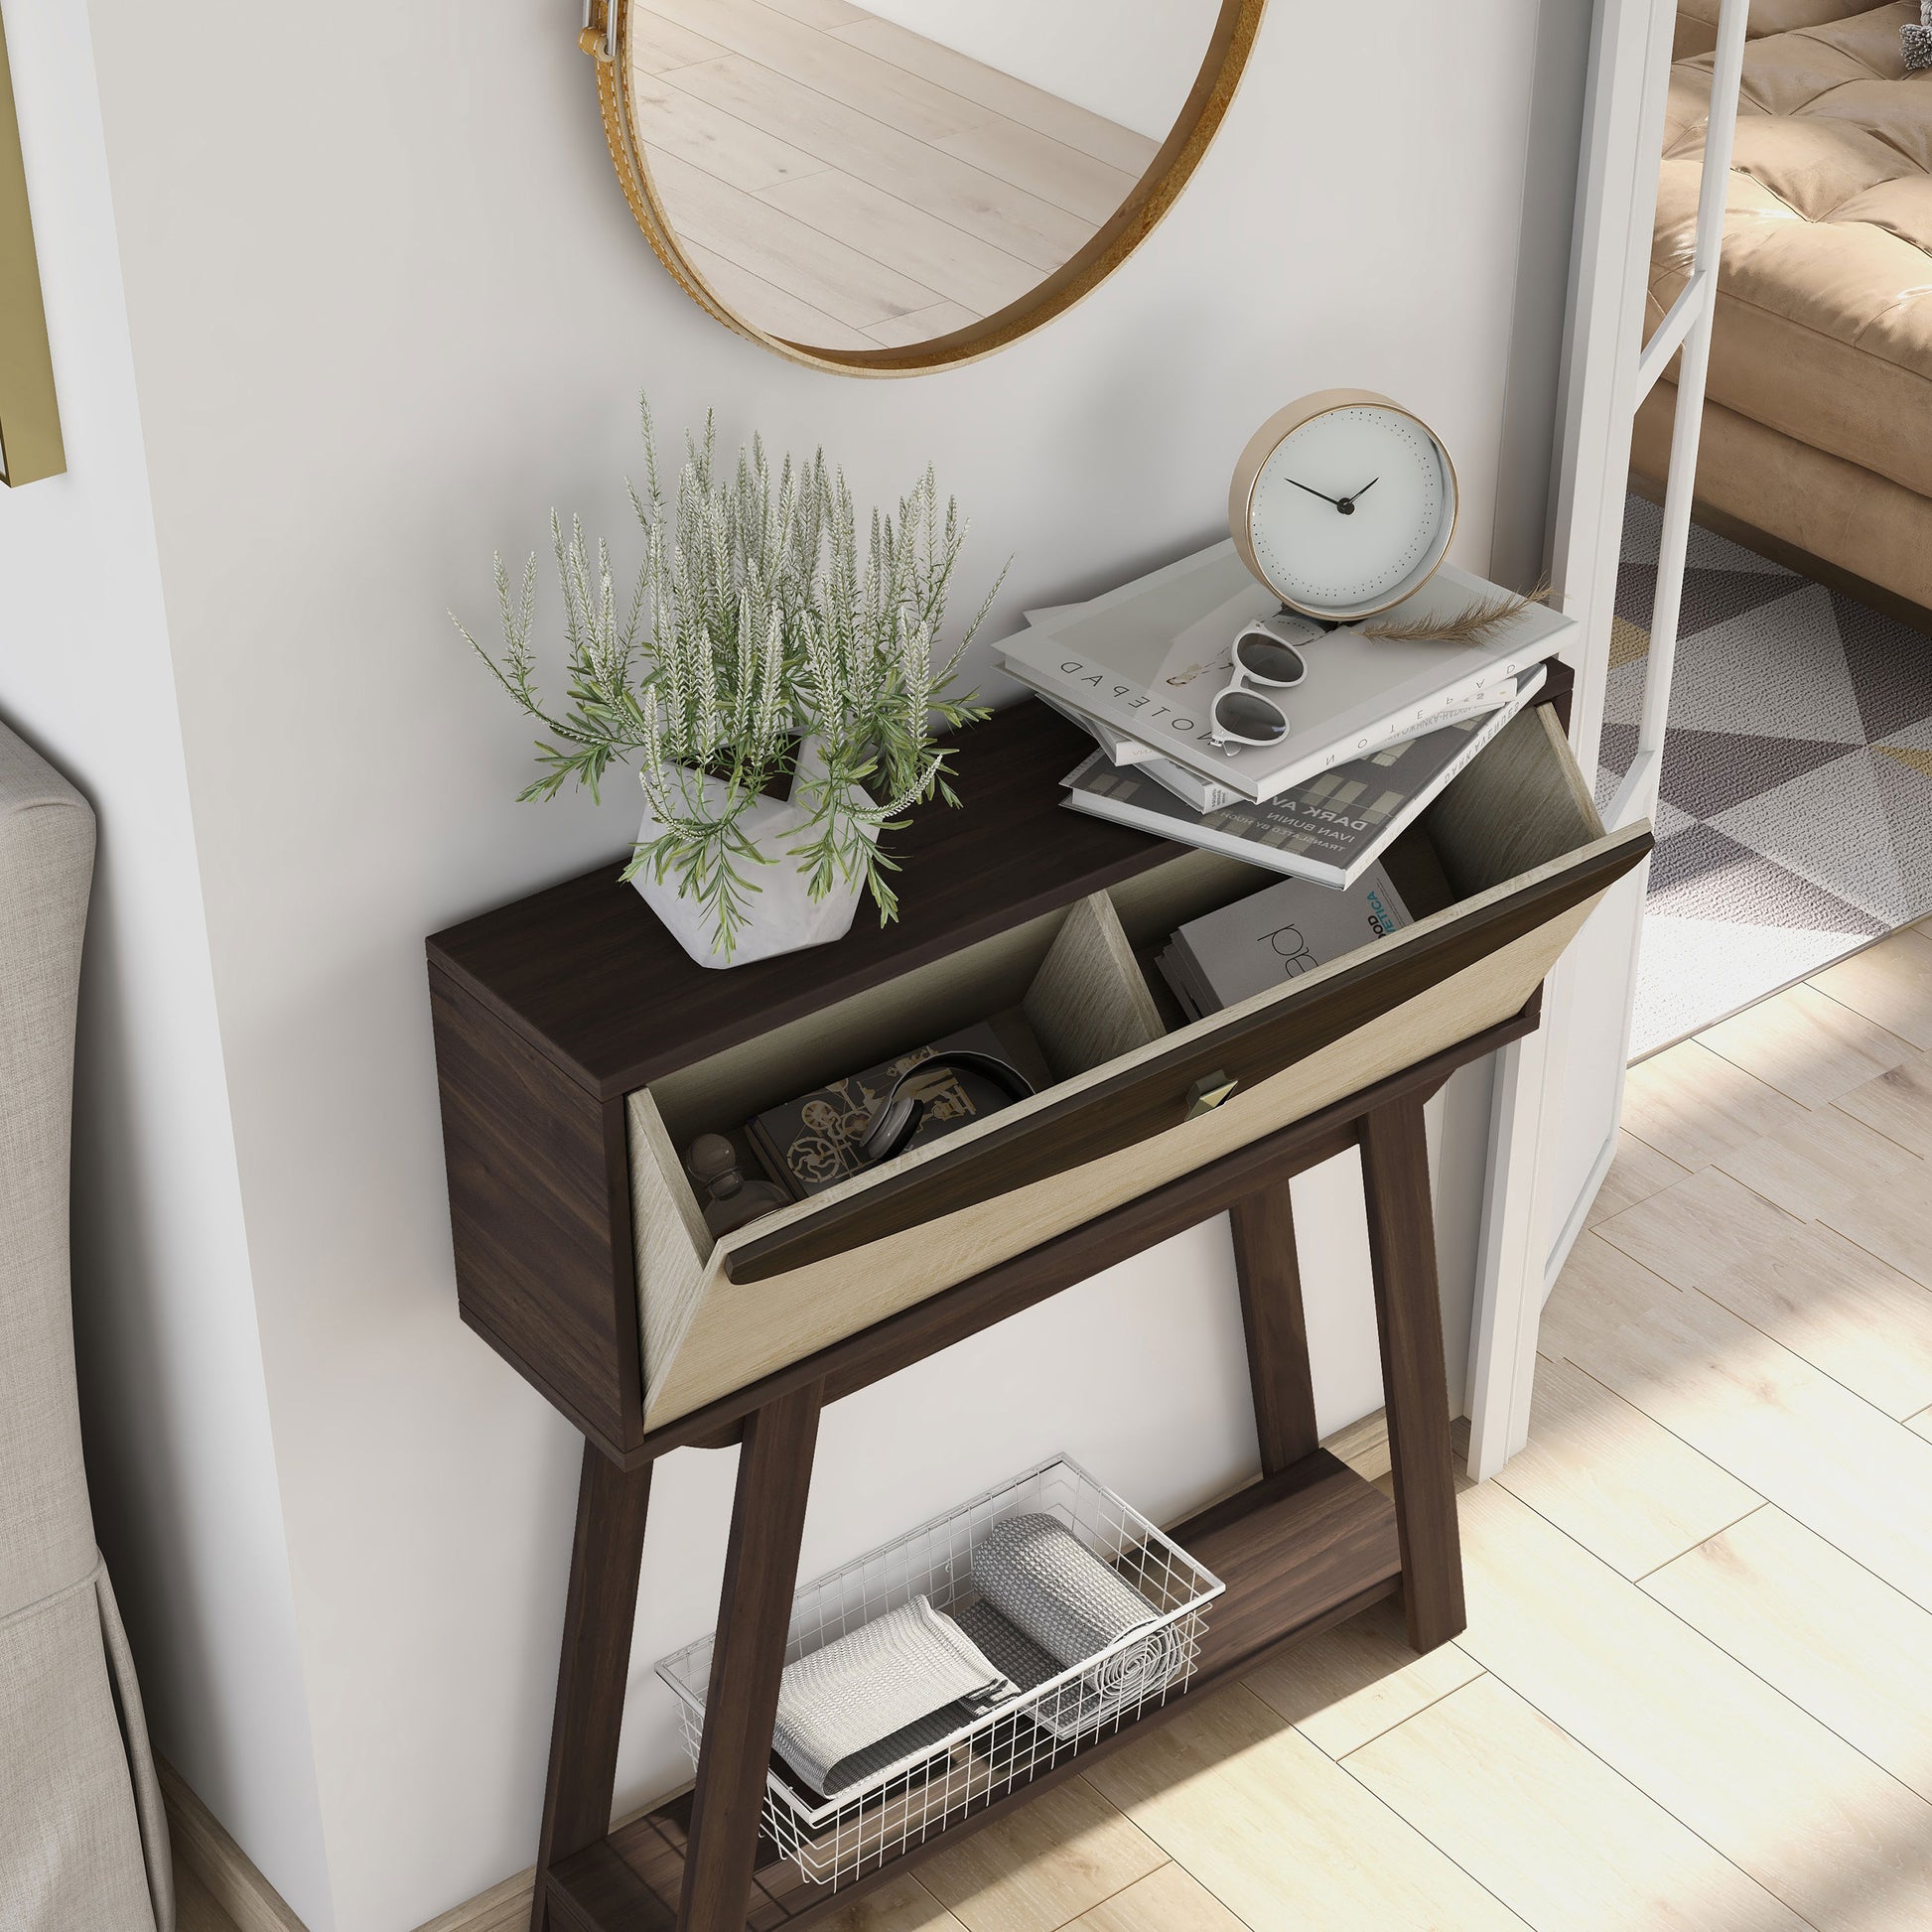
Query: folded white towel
[[875, 1681]]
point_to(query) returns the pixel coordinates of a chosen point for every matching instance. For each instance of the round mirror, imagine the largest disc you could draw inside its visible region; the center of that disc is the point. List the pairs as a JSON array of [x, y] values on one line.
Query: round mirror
[[912, 183]]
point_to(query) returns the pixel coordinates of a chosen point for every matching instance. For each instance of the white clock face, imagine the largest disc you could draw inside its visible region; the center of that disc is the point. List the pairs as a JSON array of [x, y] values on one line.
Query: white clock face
[[1349, 506]]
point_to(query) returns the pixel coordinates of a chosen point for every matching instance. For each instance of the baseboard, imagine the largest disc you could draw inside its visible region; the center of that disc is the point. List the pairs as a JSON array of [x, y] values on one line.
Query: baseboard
[[503, 1908], [228, 1873], [1363, 1446], [506, 1908], [1573, 1228], [229, 1876]]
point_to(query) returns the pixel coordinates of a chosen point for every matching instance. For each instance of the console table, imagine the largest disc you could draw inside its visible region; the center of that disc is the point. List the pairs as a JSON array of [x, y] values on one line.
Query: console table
[[578, 1050]]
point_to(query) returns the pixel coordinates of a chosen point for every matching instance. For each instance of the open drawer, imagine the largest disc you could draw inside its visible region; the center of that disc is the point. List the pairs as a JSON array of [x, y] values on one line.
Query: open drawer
[[1504, 868], [579, 1051]]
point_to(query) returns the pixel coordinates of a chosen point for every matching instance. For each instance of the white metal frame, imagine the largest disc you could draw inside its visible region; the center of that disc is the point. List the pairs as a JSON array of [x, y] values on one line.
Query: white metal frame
[[1609, 371]]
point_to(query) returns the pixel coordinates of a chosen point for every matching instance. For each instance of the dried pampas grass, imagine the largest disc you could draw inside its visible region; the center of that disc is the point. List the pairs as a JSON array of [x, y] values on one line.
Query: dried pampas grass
[[1474, 623]]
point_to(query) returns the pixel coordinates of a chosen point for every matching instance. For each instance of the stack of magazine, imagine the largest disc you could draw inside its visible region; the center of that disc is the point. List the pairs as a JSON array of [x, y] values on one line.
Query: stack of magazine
[[1377, 726]]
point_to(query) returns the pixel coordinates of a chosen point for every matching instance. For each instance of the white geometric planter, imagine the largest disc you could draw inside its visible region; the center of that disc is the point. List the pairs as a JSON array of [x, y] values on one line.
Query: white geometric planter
[[784, 915]]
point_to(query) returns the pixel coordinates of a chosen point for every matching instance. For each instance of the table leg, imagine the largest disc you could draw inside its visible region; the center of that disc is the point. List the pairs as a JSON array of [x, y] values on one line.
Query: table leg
[[774, 1473], [1268, 1270], [599, 1611], [1409, 1323]]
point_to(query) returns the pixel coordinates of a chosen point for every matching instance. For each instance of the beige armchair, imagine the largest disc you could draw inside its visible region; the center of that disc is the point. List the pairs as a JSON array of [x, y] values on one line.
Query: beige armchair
[[83, 1846]]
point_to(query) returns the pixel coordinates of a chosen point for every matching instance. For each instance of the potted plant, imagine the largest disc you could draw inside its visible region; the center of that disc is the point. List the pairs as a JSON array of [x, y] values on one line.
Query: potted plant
[[776, 685]]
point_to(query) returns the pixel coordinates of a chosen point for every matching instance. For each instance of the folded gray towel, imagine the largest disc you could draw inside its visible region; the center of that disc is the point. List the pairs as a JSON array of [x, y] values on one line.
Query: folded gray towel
[[836, 1704], [1041, 1579], [1009, 1647]]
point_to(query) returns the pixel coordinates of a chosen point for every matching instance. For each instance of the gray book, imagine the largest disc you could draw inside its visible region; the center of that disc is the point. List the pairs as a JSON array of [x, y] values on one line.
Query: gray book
[[1329, 830], [1280, 933], [1148, 658], [1177, 970]]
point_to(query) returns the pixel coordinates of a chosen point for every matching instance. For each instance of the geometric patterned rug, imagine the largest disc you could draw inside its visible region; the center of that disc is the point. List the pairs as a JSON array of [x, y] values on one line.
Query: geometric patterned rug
[[1794, 822]]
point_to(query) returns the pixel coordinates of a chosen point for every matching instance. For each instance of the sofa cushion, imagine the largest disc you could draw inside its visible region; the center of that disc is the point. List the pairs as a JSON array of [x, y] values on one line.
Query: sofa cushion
[[1697, 20], [1822, 507], [1769, 17], [1824, 327]]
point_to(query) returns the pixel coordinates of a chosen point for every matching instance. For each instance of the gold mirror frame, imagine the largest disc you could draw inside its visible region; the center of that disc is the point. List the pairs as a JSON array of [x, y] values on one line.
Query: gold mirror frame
[[605, 38]]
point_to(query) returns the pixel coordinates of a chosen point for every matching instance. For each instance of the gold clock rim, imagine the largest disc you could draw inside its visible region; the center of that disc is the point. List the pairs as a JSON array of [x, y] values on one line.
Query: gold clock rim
[[1272, 435], [1221, 69]]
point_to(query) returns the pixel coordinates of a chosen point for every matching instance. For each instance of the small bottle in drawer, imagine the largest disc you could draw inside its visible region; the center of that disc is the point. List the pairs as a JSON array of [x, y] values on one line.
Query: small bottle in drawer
[[729, 1195]]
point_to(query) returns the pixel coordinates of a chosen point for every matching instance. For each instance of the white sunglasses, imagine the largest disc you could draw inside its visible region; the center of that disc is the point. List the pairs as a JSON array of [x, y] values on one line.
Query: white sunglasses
[[1240, 716]]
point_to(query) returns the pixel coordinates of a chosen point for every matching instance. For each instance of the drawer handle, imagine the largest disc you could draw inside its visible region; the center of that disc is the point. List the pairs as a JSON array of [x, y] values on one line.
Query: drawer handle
[[1207, 1093]]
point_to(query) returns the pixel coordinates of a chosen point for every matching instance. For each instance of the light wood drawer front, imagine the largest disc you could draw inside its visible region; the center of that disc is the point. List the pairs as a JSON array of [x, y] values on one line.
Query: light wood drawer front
[[1520, 846], [1148, 1092]]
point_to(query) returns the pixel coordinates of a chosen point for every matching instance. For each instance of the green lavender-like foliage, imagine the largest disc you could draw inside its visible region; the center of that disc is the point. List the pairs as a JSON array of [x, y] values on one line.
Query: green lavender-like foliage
[[755, 625]]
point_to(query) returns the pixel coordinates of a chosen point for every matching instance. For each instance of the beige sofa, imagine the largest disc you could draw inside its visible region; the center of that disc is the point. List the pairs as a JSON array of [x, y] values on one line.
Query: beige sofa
[[83, 1845], [1818, 418]]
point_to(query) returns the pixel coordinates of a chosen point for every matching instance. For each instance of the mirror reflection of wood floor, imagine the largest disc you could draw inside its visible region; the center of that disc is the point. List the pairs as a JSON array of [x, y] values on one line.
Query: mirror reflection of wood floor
[[843, 182], [1696, 1690]]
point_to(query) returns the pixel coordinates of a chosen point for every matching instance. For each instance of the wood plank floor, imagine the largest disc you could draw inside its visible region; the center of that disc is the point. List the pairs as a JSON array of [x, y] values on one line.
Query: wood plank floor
[[1696, 1690], [845, 183]]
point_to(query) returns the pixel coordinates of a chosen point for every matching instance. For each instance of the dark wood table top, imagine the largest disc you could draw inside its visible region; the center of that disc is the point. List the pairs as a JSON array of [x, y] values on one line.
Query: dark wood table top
[[586, 973]]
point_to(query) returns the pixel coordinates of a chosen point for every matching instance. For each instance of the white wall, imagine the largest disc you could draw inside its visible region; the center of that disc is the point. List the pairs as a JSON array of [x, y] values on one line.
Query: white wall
[[1131, 61], [1525, 494], [386, 307], [176, 1411]]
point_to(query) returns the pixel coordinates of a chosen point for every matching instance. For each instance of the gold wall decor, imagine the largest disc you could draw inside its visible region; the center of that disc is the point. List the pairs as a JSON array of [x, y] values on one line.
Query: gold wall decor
[[30, 417]]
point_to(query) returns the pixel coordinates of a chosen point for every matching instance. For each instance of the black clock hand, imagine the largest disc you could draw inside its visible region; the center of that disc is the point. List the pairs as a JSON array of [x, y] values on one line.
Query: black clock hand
[[1317, 492], [1347, 504]]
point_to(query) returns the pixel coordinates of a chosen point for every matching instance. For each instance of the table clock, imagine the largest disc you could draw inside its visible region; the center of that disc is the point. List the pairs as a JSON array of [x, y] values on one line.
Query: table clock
[[1343, 504]]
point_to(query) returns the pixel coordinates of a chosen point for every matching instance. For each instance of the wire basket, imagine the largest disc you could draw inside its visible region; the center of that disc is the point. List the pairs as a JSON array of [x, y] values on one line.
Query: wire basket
[[963, 1765]]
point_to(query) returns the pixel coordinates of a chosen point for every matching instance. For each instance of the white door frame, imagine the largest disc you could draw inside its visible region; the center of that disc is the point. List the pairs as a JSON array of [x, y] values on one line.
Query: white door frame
[[1607, 372]]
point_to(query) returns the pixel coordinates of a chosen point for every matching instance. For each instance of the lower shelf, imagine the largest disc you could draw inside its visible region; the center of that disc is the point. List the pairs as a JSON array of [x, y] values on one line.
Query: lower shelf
[[1299, 1552]]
